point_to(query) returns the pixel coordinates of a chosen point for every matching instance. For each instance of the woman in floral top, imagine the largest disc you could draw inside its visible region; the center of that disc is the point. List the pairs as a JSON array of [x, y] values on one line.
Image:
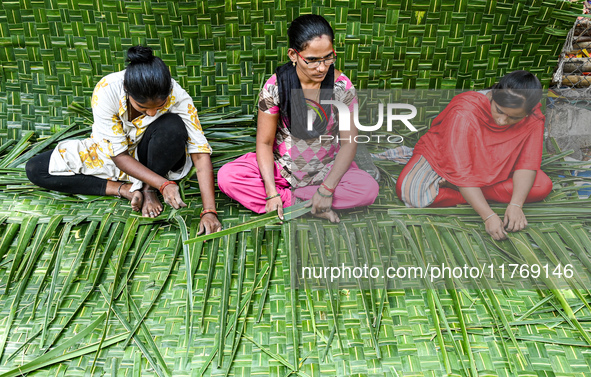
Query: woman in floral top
[[145, 135], [292, 159]]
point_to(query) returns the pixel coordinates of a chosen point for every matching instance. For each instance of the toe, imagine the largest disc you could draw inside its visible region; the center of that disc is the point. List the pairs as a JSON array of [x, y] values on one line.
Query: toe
[[137, 201]]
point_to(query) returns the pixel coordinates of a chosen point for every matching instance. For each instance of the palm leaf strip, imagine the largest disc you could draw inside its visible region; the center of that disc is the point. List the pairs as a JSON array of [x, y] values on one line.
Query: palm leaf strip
[[109, 247], [288, 231], [461, 242], [146, 331], [318, 242], [544, 244], [33, 258], [229, 251], [28, 227], [149, 307], [19, 148], [437, 243], [105, 224], [189, 274], [77, 261], [213, 256], [332, 237], [244, 306], [56, 269], [7, 238], [241, 270], [525, 249], [137, 257], [60, 354], [374, 233], [349, 237], [306, 258], [109, 299], [418, 250], [72, 313], [129, 232], [493, 299], [364, 248], [38, 147], [290, 213]]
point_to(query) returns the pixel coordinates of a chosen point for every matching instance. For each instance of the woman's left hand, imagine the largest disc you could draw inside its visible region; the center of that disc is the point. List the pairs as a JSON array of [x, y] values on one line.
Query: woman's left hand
[[209, 224], [514, 220], [322, 207]]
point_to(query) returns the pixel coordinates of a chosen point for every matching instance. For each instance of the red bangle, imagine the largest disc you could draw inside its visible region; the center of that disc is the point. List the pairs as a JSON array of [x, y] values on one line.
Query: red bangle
[[324, 186], [208, 211], [166, 184]]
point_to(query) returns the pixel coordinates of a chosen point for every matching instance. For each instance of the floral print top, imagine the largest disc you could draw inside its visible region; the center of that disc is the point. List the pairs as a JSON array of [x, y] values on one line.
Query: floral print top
[[113, 134], [305, 162]]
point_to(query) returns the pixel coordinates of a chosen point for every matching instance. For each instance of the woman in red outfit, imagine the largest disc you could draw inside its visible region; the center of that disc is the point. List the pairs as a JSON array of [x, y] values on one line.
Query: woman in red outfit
[[483, 146]]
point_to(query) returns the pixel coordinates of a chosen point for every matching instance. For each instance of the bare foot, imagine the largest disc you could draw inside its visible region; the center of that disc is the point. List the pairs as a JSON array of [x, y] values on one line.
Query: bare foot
[[152, 206], [330, 215], [136, 198]]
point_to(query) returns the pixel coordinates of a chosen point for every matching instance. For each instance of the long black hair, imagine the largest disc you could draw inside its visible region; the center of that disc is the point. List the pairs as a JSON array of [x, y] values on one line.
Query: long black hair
[[292, 103], [307, 27], [146, 77], [518, 89]]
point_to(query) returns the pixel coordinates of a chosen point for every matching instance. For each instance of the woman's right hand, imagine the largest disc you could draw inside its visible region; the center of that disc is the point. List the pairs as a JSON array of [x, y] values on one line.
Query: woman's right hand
[[494, 227], [172, 196], [275, 204]]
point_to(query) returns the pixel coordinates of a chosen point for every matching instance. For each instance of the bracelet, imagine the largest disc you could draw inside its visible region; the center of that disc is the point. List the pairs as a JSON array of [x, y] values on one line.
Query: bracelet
[[205, 211], [119, 190], [161, 189], [272, 196], [514, 204], [489, 216], [324, 186], [323, 195]]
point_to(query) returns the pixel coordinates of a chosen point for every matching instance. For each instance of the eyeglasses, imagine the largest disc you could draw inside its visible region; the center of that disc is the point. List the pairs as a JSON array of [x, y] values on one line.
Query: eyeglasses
[[316, 63]]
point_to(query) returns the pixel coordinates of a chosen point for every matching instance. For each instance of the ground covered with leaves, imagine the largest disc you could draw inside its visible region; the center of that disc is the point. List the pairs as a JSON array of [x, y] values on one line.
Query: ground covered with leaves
[[90, 288]]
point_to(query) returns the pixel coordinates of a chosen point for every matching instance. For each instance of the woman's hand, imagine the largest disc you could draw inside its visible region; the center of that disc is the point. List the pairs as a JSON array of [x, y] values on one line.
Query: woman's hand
[[492, 222], [172, 196], [494, 227], [514, 220], [275, 204], [209, 224], [322, 207]]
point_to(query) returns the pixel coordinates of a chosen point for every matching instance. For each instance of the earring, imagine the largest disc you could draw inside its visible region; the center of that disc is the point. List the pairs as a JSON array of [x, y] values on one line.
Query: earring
[[293, 63]]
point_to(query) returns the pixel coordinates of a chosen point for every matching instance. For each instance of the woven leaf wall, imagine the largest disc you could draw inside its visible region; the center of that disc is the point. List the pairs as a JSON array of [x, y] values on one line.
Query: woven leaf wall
[[53, 52]]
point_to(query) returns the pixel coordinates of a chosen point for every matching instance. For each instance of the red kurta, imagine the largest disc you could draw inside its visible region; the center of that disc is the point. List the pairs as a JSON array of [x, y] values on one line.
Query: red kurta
[[468, 149]]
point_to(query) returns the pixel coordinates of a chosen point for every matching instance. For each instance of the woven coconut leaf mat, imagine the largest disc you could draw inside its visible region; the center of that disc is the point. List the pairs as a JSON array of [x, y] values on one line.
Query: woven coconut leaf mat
[[87, 288], [53, 52]]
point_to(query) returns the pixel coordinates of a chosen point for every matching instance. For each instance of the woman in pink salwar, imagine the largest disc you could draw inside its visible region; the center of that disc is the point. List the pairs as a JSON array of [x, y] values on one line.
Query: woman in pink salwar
[[293, 160]]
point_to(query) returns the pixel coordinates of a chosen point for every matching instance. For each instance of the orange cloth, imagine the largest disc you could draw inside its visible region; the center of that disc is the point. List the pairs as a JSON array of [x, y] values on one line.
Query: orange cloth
[[468, 149]]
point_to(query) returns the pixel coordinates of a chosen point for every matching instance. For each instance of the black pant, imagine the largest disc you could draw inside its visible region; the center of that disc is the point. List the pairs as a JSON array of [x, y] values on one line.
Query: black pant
[[161, 149]]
